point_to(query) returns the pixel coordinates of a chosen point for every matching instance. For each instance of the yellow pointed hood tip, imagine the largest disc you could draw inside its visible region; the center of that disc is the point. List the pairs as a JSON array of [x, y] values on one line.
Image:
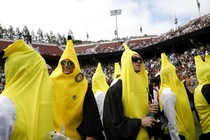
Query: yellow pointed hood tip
[[99, 80], [117, 70], [164, 59], [207, 59], [125, 46], [202, 70], [13, 47]]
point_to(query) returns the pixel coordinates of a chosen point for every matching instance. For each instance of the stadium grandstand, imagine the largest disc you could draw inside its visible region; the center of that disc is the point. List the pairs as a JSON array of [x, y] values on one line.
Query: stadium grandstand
[[193, 35], [180, 45]]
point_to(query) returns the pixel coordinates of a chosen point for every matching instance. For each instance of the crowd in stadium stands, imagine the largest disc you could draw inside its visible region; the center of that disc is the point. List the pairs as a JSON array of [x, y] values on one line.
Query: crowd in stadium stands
[[184, 62]]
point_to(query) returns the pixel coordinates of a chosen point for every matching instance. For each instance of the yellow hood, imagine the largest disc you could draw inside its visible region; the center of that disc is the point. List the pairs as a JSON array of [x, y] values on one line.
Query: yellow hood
[[99, 80], [202, 69], [29, 87], [117, 70]]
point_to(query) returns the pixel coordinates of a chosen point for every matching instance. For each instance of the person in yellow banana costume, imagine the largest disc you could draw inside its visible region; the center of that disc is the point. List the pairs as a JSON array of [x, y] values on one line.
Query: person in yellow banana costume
[[126, 102], [26, 107], [202, 95], [99, 87], [75, 110], [174, 102]]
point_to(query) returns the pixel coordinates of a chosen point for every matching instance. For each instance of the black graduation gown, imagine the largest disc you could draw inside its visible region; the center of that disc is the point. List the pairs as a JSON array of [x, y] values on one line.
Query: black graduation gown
[[91, 124], [116, 125]]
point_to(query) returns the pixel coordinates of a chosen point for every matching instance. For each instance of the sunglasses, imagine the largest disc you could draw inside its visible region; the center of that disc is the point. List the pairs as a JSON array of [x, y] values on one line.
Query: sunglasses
[[136, 59], [68, 63]]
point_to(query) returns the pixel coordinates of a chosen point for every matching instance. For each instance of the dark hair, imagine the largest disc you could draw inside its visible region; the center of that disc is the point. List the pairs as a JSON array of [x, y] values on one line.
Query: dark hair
[[156, 80]]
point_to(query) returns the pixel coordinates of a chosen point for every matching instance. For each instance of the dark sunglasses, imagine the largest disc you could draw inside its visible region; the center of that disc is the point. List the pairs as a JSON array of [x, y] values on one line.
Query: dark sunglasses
[[136, 59], [68, 63]]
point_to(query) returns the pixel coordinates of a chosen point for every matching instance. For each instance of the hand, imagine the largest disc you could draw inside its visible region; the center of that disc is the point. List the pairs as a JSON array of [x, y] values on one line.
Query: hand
[[153, 108], [90, 138], [147, 122]]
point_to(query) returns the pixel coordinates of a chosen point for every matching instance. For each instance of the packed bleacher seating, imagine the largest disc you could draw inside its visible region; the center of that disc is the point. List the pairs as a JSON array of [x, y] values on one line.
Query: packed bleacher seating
[[184, 62]]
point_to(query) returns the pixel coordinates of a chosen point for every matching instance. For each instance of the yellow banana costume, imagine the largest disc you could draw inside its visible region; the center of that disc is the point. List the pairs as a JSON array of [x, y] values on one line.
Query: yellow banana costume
[[135, 90], [30, 89], [99, 80], [117, 70], [184, 118], [201, 105], [68, 104]]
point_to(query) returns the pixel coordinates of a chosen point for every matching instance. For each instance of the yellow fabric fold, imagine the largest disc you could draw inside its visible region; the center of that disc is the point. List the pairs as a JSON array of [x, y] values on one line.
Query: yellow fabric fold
[[207, 59], [202, 70], [134, 90], [69, 95], [117, 70], [29, 87], [169, 79], [99, 80]]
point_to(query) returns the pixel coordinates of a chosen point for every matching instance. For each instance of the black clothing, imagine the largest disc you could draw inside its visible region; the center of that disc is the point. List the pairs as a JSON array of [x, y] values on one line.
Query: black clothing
[[206, 92], [91, 124], [205, 136], [116, 125]]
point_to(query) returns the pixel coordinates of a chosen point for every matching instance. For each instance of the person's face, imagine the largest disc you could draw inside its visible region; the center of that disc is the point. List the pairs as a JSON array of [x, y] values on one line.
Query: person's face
[[67, 66], [137, 61], [179, 74]]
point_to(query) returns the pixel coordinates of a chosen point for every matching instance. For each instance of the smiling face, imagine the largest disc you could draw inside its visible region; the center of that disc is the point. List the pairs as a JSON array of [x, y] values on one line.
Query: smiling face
[[137, 61], [67, 66]]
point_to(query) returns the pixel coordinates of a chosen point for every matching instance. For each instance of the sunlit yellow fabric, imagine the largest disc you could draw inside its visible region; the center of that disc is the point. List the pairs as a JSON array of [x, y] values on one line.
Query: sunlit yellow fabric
[[69, 95], [184, 118], [201, 105], [207, 59], [99, 80], [29, 87], [117, 70], [135, 90]]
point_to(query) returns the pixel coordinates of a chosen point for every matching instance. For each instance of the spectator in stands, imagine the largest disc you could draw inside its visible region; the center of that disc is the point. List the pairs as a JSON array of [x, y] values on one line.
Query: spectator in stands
[[26, 108], [202, 96], [174, 102], [49, 68], [76, 114], [124, 115]]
